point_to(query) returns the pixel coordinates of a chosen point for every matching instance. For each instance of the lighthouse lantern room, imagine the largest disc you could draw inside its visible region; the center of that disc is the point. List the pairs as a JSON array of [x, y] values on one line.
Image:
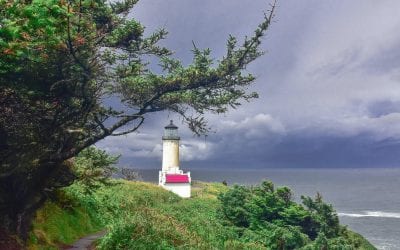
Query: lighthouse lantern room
[[170, 176]]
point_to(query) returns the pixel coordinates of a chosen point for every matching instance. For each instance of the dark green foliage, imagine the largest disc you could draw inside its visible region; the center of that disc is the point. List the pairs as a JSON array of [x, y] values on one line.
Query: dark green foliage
[[233, 209], [323, 215], [93, 168], [247, 207], [275, 237], [269, 216]]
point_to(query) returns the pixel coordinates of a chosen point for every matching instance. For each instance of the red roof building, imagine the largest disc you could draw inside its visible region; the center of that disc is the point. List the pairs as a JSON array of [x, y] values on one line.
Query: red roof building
[[176, 178]]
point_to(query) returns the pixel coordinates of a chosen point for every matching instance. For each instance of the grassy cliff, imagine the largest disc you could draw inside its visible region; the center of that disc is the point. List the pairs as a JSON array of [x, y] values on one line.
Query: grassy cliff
[[140, 215]]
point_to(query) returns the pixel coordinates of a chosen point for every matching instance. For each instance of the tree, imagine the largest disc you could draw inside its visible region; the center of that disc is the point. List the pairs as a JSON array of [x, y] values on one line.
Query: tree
[[234, 208], [59, 61], [323, 215], [93, 168], [129, 174], [269, 216]]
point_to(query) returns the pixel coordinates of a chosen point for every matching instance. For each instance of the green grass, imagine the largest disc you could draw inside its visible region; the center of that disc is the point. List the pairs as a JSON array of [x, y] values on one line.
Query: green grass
[[55, 225], [360, 241], [141, 215], [75, 214]]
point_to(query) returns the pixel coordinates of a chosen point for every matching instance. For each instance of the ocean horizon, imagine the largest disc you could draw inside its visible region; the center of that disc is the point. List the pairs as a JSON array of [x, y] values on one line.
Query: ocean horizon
[[367, 200]]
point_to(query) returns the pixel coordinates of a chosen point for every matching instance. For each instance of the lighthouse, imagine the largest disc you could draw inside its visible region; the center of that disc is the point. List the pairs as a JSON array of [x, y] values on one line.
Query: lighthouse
[[170, 160], [170, 176]]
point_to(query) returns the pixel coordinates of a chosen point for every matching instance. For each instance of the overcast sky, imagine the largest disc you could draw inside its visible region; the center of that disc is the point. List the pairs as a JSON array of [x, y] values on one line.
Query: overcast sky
[[329, 85]]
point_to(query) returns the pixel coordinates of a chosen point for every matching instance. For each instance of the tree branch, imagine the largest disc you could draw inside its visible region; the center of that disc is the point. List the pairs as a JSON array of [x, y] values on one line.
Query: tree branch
[[130, 130]]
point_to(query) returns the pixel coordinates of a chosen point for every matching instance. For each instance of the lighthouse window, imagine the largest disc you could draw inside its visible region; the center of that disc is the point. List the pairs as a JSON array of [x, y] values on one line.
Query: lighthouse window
[[171, 133]]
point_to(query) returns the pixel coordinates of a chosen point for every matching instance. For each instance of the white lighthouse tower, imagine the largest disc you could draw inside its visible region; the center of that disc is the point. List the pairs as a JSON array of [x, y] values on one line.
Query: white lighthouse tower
[[170, 176]]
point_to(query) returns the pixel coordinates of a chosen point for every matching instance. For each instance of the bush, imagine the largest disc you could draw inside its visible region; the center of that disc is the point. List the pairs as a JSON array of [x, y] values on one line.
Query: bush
[[270, 217]]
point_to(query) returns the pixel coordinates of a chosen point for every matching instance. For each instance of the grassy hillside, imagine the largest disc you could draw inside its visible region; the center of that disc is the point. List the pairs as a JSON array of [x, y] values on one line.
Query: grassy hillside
[[56, 225], [140, 215]]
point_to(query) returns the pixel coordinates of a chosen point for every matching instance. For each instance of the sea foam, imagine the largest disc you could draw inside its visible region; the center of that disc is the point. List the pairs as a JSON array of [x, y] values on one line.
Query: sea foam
[[378, 214]]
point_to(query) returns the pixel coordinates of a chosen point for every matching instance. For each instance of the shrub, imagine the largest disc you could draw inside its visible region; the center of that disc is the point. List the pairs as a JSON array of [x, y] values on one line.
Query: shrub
[[270, 217]]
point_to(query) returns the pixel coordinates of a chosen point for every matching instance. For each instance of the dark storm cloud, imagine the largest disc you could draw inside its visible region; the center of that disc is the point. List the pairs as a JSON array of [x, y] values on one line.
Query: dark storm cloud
[[329, 85], [382, 108]]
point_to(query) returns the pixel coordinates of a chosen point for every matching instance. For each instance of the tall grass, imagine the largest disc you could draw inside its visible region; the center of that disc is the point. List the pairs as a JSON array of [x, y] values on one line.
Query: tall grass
[[55, 225]]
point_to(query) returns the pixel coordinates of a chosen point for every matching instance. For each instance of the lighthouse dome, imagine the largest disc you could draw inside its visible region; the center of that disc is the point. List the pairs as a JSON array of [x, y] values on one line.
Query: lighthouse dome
[[171, 132]]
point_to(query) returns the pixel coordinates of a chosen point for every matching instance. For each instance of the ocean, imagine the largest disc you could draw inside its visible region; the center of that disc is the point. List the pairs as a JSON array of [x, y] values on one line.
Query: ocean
[[366, 199]]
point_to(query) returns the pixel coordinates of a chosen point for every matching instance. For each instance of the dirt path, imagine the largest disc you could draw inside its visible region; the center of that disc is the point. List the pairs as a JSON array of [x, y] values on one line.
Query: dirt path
[[85, 242]]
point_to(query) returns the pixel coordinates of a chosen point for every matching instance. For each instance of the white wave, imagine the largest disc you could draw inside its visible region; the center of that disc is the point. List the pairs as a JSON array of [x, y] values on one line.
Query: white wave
[[378, 214]]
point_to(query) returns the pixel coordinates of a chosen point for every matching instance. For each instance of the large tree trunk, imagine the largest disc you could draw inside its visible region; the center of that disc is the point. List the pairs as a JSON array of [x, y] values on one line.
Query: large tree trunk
[[9, 242], [18, 210], [22, 194]]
